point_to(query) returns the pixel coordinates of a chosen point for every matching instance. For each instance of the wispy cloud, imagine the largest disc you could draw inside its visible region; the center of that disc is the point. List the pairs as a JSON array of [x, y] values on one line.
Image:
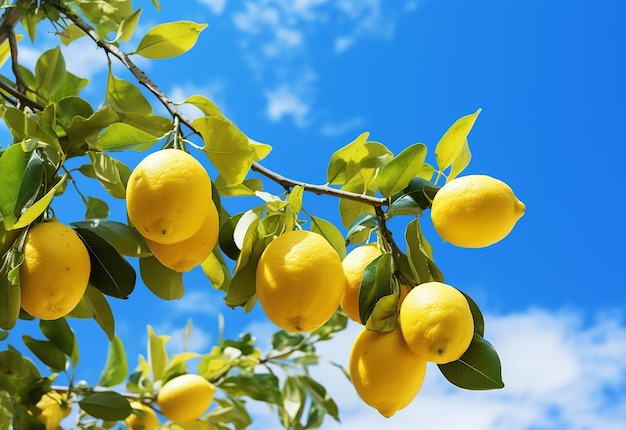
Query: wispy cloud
[[216, 6]]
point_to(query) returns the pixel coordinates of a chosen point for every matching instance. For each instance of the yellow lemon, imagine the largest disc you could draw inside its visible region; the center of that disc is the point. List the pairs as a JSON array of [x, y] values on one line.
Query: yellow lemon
[[184, 256], [168, 196], [55, 271], [436, 322], [52, 410], [299, 281], [142, 418], [353, 265], [385, 373], [475, 211], [185, 398]]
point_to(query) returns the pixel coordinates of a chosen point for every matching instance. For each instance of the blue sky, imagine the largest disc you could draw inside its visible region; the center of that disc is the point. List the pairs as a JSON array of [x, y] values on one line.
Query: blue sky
[[308, 76]]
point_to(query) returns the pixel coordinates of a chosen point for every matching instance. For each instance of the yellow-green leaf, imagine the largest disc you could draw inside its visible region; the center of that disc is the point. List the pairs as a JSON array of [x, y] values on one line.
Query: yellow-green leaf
[[127, 26], [461, 162], [169, 39], [121, 136], [399, 171], [30, 214], [453, 141]]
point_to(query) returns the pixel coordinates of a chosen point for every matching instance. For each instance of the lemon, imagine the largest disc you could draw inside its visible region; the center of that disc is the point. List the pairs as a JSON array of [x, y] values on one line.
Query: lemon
[[385, 373], [184, 256], [143, 418], [52, 410], [353, 266], [475, 211], [185, 398], [168, 196], [299, 281], [55, 271], [436, 322]]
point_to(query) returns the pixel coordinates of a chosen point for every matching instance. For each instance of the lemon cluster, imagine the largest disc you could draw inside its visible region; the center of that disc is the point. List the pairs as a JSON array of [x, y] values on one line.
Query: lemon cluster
[[168, 198]]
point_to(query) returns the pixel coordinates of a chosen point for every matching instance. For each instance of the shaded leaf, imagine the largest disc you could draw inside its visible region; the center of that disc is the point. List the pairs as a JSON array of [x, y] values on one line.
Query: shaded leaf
[[165, 283], [112, 173], [126, 240], [107, 405], [100, 310], [9, 288], [375, 284], [420, 254], [59, 333], [331, 233], [96, 208], [47, 352], [50, 72], [258, 386], [116, 366], [169, 39], [124, 96]]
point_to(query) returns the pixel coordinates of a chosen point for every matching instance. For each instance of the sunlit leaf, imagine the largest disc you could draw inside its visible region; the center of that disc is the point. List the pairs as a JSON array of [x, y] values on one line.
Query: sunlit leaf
[[112, 173], [121, 136], [331, 233], [127, 26], [361, 228], [169, 39], [452, 143], [227, 148], [460, 162], [157, 354], [40, 206], [165, 283], [478, 369], [100, 310], [116, 366], [84, 131], [420, 254], [50, 71], [397, 173], [230, 411], [339, 168], [205, 105], [384, 316], [124, 96], [351, 210], [375, 284], [106, 405], [259, 150], [216, 269], [248, 187], [257, 386]]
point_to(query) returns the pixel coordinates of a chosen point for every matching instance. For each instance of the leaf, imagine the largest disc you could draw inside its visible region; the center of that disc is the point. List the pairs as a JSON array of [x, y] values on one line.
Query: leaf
[[231, 412], [351, 210], [100, 310], [84, 131], [60, 334], [420, 254], [110, 272], [206, 105], [460, 162], [452, 143], [216, 269], [157, 354], [111, 173], [227, 147], [320, 397], [47, 352], [243, 285], [9, 288], [106, 405], [96, 208], [124, 96], [361, 228], [40, 206], [397, 173], [259, 150], [294, 400], [248, 187], [126, 240], [339, 170], [13, 162], [375, 284], [127, 26], [116, 367], [478, 369], [163, 282], [384, 316], [50, 72], [169, 39], [477, 316], [331, 233], [121, 136], [258, 386], [31, 183]]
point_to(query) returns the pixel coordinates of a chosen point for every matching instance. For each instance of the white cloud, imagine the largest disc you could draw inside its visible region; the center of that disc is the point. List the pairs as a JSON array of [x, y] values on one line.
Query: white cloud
[[84, 59], [216, 6], [339, 128], [559, 373], [215, 91], [284, 101]]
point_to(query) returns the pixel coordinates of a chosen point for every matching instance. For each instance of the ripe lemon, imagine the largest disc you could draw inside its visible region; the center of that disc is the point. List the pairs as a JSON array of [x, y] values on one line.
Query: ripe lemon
[[436, 322], [168, 196], [55, 271], [475, 211], [353, 266], [185, 398], [184, 256], [144, 418], [384, 371], [52, 411], [299, 281]]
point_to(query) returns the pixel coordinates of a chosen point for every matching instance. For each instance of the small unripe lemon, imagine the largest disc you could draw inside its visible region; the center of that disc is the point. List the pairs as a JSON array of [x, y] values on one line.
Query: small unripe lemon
[[436, 322], [475, 211], [185, 398], [143, 418]]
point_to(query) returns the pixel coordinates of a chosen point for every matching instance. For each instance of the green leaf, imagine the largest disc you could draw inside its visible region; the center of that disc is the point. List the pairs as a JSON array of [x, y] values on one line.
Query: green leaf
[[128, 26], [60, 334], [169, 39], [157, 354], [351, 210], [13, 162], [375, 284], [227, 147], [124, 96], [478, 369], [71, 86], [9, 288], [226, 237], [294, 401], [126, 240], [107, 405], [331, 233], [216, 269], [414, 199], [384, 316], [460, 162], [31, 183], [83, 132], [243, 285], [361, 228], [40, 206], [50, 72], [116, 367], [451, 145], [96, 208], [47, 352], [121, 136], [420, 254], [319, 397], [248, 187], [339, 169], [112, 173], [397, 173], [477, 316], [258, 386], [110, 272], [165, 283], [230, 411], [100, 310], [206, 105]]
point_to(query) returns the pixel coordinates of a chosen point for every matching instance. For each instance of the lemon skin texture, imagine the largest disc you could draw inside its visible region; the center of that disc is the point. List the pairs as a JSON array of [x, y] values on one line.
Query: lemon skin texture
[[436, 322], [55, 271], [299, 281], [185, 398], [475, 211], [184, 256], [353, 265], [385, 373], [168, 196]]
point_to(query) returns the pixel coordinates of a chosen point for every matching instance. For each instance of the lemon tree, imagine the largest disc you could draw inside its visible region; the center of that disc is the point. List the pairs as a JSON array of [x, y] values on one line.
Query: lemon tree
[[308, 275]]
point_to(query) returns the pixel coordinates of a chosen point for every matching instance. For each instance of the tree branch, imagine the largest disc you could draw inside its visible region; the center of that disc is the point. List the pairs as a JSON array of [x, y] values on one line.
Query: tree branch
[[144, 80]]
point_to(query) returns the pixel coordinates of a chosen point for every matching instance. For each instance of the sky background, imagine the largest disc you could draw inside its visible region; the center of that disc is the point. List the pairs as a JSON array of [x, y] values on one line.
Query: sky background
[[308, 76]]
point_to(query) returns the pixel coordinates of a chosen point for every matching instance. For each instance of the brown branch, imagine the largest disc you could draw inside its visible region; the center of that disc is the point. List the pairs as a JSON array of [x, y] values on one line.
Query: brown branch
[[143, 79], [12, 16], [15, 66]]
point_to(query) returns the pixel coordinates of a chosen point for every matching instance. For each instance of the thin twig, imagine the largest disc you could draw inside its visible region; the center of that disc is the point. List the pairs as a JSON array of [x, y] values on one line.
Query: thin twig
[[15, 66], [143, 79]]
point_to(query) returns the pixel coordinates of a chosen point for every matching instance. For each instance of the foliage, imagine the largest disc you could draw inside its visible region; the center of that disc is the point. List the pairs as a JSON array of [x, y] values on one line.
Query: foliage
[[51, 123]]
